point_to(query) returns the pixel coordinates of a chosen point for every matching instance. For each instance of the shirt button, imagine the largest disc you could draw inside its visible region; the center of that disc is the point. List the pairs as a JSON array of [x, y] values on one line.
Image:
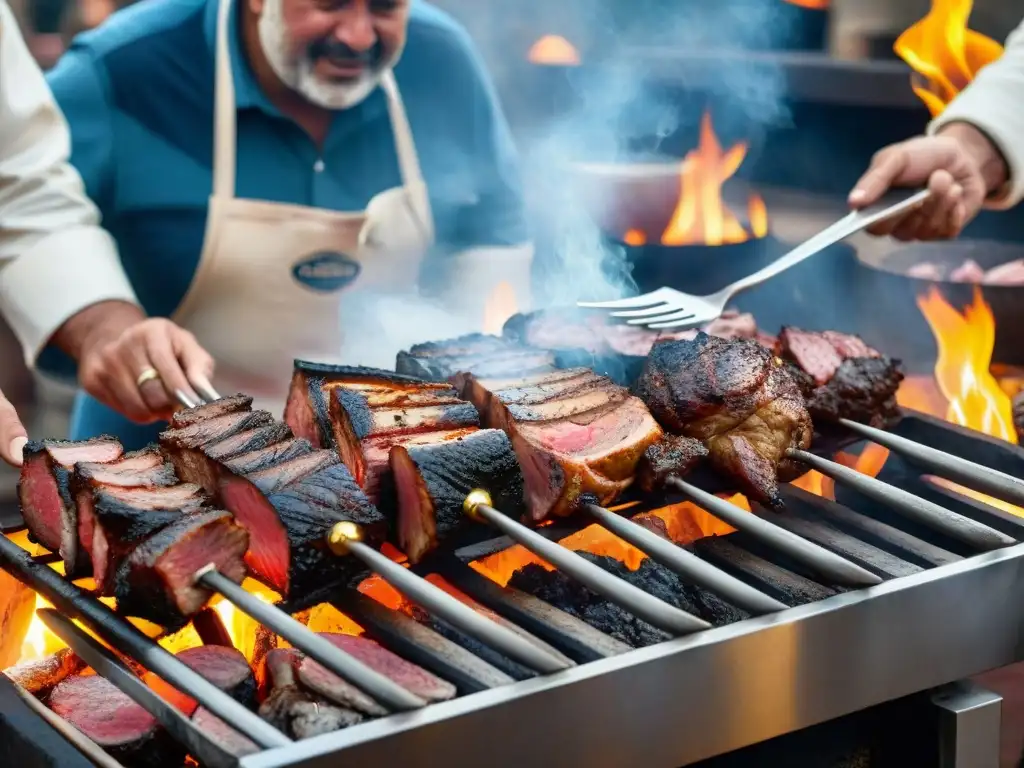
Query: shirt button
[[318, 166]]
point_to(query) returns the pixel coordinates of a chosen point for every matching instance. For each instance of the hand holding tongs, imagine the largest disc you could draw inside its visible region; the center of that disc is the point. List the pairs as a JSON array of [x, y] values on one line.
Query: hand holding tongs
[[205, 391], [669, 308]]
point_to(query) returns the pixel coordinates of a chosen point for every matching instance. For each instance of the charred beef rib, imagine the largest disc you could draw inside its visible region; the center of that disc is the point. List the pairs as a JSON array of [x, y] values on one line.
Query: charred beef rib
[[44, 491], [842, 377], [573, 431], [738, 399], [483, 355], [416, 449]]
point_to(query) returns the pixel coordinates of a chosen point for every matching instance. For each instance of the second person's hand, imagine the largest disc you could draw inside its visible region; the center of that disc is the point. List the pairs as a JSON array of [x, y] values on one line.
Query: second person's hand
[[960, 166]]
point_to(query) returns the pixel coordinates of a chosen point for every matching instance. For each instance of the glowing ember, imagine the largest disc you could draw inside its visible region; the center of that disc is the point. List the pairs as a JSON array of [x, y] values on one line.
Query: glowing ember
[[634, 237], [500, 306], [814, 5], [554, 51], [944, 53], [701, 216]]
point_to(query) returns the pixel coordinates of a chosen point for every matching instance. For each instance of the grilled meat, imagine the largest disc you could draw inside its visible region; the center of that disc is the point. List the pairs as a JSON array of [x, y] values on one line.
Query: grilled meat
[[414, 679], [224, 667], [222, 407], [249, 440], [294, 711], [114, 520], [368, 418], [841, 377], [198, 459], [432, 481], [38, 677], [98, 709], [277, 476], [574, 433], [288, 526], [146, 468], [44, 491], [207, 431], [272, 454], [671, 456], [739, 400], [1018, 415], [156, 582], [222, 734], [481, 354]]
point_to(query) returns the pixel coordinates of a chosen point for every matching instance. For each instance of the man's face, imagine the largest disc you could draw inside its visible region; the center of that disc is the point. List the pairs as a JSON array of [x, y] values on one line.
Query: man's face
[[332, 51]]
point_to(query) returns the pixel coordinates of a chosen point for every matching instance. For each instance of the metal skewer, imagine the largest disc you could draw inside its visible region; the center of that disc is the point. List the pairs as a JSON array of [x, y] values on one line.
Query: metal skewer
[[124, 637], [345, 539], [977, 535], [686, 564], [658, 613], [371, 682], [113, 669], [832, 566], [981, 478]]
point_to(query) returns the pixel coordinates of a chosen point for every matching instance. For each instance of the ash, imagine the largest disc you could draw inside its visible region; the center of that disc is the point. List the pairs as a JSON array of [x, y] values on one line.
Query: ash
[[572, 597]]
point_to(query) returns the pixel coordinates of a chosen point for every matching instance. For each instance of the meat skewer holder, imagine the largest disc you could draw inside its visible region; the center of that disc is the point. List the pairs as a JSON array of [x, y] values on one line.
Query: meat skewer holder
[[345, 539], [107, 665]]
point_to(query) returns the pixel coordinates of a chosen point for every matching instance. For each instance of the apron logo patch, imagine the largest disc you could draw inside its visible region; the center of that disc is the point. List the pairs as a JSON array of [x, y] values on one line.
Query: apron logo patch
[[326, 271]]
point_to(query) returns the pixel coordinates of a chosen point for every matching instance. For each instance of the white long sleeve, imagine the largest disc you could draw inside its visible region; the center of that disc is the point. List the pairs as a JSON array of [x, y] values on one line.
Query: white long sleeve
[[55, 259], [994, 103]]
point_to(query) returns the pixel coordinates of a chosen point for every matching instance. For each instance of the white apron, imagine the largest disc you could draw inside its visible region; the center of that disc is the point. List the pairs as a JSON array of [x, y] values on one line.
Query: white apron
[[270, 279]]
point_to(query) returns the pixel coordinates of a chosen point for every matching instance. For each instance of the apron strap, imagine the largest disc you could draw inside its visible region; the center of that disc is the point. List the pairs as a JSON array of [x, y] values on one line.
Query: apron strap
[[224, 110], [405, 148]]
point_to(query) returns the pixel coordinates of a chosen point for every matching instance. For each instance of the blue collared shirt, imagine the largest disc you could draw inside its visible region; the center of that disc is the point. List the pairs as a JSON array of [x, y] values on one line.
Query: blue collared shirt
[[138, 96]]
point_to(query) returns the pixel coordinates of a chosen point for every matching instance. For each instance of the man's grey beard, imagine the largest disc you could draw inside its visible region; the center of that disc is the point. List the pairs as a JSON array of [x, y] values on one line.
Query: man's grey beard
[[298, 72]]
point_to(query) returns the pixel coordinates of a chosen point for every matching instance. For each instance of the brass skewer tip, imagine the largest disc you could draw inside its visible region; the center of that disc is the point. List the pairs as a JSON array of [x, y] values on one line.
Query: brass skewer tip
[[340, 536], [475, 498]]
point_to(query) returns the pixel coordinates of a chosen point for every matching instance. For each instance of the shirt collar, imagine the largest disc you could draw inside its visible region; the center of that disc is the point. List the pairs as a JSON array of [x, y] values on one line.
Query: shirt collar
[[247, 90]]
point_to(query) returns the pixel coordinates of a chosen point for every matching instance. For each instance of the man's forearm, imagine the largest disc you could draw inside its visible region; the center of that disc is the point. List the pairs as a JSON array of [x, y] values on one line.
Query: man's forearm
[[991, 163], [99, 323]]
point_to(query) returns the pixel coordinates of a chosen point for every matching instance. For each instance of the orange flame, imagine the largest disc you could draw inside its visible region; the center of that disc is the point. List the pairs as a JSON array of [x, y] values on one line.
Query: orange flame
[[814, 5], [554, 51], [944, 53], [701, 216], [500, 306]]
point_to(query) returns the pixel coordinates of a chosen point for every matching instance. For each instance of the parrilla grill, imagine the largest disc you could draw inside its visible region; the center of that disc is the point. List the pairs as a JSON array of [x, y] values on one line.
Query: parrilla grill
[[803, 570]]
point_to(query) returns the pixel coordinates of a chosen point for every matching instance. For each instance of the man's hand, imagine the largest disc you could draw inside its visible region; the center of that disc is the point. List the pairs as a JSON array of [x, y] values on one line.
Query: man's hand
[[12, 433], [959, 165], [132, 363]]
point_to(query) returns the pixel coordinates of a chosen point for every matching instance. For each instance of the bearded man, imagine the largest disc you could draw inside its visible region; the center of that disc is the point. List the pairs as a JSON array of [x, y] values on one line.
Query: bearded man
[[262, 164]]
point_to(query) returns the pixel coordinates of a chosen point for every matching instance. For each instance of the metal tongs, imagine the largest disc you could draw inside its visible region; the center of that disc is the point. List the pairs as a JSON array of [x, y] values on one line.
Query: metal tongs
[[207, 394], [669, 308]]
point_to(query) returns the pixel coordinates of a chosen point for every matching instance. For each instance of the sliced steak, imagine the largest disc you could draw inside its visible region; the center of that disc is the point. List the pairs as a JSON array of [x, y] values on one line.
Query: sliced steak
[[117, 519], [156, 582], [578, 441], [288, 528], [222, 734], [145, 468], [207, 431], [38, 677], [262, 458], [249, 440], [224, 667], [414, 679], [671, 456], [327, 685], [44, 491], [296, 712], [842, 377], [222, 407], [481, 354], [276, 477], [111, 719], [739, 400], [433, 479], [306, 411]]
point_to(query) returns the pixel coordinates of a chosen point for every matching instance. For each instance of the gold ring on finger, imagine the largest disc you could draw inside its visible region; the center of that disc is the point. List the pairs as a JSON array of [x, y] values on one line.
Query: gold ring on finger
[[149, 374]]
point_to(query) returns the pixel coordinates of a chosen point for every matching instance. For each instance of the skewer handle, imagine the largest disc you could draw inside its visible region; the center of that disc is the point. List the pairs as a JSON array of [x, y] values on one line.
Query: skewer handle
[[344, 540], [831, 566], [687, 564], [976, 476], [977, 535], [647, 607], [109, 666], [374, 684]]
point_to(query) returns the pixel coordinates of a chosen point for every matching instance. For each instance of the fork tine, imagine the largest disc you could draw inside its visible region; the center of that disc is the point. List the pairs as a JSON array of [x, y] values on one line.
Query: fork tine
[[677, 313], [680, 324], [661, 309], [643, 300]]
